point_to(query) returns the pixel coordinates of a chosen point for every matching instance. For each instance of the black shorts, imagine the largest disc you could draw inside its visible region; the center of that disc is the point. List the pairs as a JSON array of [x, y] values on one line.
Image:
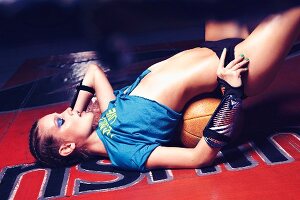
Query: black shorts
[[218, 46]]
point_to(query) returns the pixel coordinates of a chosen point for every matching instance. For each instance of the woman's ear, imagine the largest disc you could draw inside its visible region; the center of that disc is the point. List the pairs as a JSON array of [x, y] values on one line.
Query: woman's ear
[[66, 148]]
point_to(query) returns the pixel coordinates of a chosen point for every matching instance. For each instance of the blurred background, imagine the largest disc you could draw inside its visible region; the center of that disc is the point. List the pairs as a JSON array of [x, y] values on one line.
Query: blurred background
[[36, 28]]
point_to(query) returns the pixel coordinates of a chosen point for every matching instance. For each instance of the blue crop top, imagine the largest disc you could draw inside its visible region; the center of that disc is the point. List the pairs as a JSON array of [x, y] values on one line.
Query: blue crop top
[[133, 126]]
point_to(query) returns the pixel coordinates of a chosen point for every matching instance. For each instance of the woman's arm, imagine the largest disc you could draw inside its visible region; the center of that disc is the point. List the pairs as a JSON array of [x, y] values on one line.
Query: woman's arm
[[96, 79], [177, 157], [215, 136]]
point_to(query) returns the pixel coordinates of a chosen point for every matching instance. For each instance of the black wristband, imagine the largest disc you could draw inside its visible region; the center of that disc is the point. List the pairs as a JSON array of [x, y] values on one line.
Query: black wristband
[[78, 88], [237, 92], [86, 88]]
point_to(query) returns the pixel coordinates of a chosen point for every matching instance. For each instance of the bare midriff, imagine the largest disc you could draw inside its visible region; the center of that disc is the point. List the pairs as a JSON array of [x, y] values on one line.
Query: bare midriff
[[176, 80]]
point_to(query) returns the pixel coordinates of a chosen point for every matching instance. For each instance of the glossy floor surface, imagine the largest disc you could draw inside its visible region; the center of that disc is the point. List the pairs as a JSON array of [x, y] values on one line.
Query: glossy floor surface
[[263, 163]]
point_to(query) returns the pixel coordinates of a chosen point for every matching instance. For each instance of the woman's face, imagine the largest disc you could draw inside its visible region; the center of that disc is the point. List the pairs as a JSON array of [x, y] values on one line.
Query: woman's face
[[68, 126]]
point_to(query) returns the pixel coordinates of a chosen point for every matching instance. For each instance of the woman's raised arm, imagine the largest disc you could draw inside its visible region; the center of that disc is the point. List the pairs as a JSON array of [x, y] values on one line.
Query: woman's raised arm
[[96, 79]]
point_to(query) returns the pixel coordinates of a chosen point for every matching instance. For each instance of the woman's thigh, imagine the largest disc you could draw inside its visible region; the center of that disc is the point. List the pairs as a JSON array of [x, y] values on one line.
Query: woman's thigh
[[266, 47]]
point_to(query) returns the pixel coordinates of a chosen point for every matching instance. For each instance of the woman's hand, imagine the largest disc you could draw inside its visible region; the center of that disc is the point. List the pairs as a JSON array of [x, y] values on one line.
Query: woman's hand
[[232, 72]]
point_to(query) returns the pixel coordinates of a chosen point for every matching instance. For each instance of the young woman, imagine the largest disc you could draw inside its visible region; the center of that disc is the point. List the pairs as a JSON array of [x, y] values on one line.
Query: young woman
[[137, 121]]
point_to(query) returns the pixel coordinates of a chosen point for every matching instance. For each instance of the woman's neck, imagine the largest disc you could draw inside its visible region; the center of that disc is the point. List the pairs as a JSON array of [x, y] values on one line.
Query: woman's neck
[[94, 145]]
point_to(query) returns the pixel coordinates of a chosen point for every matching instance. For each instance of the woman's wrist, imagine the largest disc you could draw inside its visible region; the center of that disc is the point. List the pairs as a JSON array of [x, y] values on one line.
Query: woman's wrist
[[227, 89], [85, 90]]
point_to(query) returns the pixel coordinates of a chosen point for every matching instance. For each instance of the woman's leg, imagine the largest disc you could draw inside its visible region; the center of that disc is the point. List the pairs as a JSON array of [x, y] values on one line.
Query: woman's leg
[[218, 30], [266, 47]]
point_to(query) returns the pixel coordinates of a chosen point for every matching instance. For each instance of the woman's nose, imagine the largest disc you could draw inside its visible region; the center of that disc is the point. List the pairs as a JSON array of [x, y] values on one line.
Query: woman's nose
[[68, 111]]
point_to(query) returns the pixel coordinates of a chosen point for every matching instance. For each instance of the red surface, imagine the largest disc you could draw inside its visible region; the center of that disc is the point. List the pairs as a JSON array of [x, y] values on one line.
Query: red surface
[[264, 181], [261, 182]]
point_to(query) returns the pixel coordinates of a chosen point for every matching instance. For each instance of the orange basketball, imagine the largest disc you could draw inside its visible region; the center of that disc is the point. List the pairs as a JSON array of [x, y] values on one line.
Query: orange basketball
[[195, 118]]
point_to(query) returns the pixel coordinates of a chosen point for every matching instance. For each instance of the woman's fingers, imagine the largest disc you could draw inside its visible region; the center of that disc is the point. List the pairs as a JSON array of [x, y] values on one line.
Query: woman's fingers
[[241, 70], [240, 64], [234, 62], [222, 59], [232, 72]]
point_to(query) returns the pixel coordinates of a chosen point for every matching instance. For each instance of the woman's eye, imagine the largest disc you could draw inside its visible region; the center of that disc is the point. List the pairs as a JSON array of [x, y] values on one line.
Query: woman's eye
[[60, 122]]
